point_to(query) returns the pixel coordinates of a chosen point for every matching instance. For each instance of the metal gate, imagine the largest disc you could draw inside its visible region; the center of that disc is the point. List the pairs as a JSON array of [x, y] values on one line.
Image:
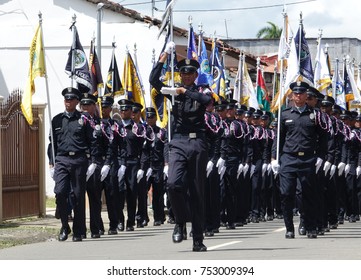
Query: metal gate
[[20, 160]]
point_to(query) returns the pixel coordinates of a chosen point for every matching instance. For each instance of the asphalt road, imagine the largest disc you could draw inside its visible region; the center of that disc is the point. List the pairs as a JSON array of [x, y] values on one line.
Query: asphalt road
[[259, 241]]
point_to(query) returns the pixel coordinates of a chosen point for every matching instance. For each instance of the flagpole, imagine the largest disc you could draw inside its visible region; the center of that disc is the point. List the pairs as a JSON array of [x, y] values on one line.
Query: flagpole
[[126, 71], [113, 56], [274, 81], [336, 74], [189, 34], [282, 92], [47, 91], [99, 41], [73, 28], [200, 29], [139, 77], [242, 65], [300, 44]]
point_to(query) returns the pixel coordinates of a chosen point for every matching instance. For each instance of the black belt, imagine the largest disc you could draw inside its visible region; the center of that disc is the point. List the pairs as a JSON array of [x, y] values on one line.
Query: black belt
[[73, 154], [302, 154], [190, 135]]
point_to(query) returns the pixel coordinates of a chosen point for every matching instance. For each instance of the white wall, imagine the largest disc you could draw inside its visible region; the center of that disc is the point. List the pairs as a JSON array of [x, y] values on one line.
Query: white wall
[[19, 20]]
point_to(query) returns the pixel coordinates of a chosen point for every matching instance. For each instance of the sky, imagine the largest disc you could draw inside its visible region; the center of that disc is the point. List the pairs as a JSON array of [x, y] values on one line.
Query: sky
[[242, 19]]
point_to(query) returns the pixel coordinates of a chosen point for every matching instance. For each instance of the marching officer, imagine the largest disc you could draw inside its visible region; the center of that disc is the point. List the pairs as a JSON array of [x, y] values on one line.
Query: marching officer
[[303, 145], [154, 155], [188, 147], [72, 137], [130, 172]]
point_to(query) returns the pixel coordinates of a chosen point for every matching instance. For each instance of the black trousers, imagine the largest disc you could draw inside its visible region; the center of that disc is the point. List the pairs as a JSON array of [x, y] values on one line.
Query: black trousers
[[128, 189], [188, 155], [212, 195], [94, 192], [303, 168], [156, 181], [231, 185], [69, 175], [111, 191]]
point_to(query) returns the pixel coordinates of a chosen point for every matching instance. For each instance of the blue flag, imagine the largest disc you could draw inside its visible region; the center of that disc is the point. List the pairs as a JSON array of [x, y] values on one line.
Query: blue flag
[[304, 56], [204, 72], [192, 49], [219, 81]]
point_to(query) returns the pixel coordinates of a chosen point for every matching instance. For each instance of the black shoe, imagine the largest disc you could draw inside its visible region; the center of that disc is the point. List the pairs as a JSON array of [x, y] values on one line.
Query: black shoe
[[157, 223], [321, 231], [198, 246], [333, 226], [238, 224], [130, 228], [112, 231], [95, 235], [64, 232], [179, 233], [216, 230], [139, 225], [290, 235], [171, 221], [279, 216], [262, 219], [77, 238], [312, 234], [120, 227], [101, 232], [352, 219], [301, 230], [83, 236], [270, 218], [254, 220], [209, 233], [223, 224], [231, 226]]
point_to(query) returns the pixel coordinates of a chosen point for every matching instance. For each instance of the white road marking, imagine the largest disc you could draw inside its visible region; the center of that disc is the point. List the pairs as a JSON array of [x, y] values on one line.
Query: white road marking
[[283, 229], [222, 245]]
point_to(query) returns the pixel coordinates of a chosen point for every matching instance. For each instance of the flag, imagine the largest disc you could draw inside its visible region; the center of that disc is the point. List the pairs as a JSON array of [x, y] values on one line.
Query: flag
[[204, 71], [351, 90], [338, 88], [133, 88], [262, 93], [36, 69], [192, 49], [165, 17], [358, 81], [219, 81], [159, 101], [304, 56], [80, 70], [322, 77], [95, 72], [113, 85]]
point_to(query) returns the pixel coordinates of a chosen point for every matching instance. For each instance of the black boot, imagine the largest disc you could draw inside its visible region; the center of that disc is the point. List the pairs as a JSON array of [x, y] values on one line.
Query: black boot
[[198, 246]]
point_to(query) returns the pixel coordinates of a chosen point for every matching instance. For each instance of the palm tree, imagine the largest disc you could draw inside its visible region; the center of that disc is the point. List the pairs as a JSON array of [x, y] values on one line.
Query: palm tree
[[269, 32]]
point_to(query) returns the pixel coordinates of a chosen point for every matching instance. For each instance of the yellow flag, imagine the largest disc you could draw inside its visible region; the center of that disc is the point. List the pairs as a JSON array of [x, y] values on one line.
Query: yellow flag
[[36, 69], [133, 87]]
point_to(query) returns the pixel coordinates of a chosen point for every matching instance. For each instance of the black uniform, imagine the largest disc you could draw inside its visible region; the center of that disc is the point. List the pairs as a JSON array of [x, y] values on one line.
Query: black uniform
[[300, 135], [73, 136], [187, 154]]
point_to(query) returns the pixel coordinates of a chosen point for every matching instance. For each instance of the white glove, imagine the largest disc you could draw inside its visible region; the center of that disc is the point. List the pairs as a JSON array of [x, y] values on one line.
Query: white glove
[[209, 167], [165, 171], [245, 169], [240, 169], [326, 167], [220, 164], [169, 47], [358, 171], [149, 173], [90, 170], [253, 168], [221, 173], [169, 91], [269, 168], [51, 171], [264, 168], [104, 172], [341, 168], [318, 164], [140, 175], [332, 170], [347, 169], [275, 166], [121, 172]]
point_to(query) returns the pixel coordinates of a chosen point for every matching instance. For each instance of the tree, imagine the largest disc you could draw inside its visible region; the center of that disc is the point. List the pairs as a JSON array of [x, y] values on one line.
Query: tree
[[269, 32]]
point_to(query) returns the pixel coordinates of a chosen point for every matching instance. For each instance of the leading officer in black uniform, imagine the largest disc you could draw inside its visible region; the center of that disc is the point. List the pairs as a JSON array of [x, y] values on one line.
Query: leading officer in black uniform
[[188, 147], [72, 137], [302, 147]]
